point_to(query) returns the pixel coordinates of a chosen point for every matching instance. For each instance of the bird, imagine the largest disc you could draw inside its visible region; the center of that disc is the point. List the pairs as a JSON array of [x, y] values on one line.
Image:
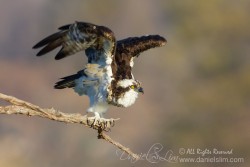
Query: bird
[[107, 78]]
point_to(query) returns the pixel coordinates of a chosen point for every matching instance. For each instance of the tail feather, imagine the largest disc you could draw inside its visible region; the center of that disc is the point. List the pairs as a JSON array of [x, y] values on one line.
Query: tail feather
[[64, 84], [69, 81]]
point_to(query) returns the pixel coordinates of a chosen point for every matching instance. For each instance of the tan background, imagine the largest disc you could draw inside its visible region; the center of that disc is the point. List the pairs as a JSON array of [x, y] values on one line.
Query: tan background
[[197, 88]]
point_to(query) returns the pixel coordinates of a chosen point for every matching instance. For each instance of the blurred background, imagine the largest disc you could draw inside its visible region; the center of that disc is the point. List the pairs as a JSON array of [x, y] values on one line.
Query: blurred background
[[197, 87]]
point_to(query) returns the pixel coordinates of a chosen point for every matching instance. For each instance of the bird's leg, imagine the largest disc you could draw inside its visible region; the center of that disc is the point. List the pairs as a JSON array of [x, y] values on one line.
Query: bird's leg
[[98, 122], [97, 117]]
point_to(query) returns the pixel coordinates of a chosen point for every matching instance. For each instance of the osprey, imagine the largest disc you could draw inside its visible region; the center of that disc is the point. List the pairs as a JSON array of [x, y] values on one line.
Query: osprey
[[107, 78]]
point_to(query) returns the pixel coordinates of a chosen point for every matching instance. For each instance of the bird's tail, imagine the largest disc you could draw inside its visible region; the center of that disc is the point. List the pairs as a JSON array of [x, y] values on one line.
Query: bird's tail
[[68, 81]]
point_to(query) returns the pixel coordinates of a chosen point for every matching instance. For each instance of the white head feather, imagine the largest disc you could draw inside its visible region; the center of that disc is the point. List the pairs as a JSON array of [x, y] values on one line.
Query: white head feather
[[130, 96]]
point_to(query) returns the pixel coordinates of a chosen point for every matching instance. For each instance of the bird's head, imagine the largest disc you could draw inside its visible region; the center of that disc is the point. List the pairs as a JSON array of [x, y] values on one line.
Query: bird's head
[[126, 92]]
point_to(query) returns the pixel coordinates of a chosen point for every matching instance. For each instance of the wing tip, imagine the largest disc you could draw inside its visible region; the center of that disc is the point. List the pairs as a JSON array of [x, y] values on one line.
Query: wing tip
[[36, 46], [161, 40], [60, 55], [58, 58], [39, 54]]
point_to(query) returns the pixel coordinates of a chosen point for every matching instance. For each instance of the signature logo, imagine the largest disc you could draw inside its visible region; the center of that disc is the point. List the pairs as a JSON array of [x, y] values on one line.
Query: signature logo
[[155, 154]]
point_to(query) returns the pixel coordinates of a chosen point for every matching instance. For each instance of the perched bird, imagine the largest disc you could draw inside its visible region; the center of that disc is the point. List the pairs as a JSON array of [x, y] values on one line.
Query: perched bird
[[107, 78]]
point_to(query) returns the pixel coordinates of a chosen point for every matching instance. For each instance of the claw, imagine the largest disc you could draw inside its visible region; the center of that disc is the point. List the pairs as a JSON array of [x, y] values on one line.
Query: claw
[[101, 123], [112, 122]]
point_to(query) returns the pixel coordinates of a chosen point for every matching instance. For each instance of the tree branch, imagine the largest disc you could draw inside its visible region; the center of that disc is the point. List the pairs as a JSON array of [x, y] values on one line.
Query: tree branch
[[25, 108]]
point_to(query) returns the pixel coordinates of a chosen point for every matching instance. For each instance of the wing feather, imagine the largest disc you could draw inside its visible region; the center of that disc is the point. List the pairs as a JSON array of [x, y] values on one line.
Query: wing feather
[[129, 48], [76, 37], [133, 46], [50, 39], [50, 46]]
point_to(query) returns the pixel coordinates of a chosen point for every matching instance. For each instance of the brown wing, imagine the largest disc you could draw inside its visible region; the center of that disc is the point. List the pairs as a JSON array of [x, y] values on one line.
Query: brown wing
[[128, 48], [133, 46], [74, 38]]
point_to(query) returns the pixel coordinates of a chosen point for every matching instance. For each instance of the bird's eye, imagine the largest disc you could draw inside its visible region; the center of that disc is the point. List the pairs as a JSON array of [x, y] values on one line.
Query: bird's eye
[[132, 86]]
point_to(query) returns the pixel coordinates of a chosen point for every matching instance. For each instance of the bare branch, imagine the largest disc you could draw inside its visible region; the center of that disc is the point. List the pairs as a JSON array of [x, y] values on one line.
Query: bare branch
[[108, 139], [25, 108]]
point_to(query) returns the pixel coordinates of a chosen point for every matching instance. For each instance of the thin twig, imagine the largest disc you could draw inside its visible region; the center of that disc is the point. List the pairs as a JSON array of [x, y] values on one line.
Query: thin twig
[[104, 136], [25, 108]]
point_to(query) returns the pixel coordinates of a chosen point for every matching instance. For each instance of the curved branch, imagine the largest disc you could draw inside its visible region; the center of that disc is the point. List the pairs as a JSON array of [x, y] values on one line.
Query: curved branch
[[25, 108]]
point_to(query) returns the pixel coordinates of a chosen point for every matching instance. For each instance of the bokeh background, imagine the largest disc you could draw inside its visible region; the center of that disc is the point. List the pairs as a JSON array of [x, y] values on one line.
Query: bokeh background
[[197, 87]]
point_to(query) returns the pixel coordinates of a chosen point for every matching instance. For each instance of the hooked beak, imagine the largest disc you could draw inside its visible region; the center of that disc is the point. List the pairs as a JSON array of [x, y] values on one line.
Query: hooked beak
[[141, 90]]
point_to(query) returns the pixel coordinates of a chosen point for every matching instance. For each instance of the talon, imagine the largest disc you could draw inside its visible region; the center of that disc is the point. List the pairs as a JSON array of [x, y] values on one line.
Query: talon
[[112, 122], [88, 121], [105, 124], [93, 123], [100, 123]]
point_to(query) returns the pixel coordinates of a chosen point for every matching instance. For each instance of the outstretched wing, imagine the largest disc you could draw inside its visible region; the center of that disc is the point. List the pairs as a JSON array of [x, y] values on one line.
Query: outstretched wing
[[76, 37], [129, 48]]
